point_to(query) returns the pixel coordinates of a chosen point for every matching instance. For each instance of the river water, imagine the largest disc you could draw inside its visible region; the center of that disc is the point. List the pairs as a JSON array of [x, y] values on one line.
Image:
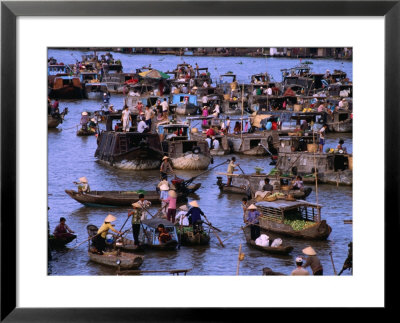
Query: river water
[[70, 157]]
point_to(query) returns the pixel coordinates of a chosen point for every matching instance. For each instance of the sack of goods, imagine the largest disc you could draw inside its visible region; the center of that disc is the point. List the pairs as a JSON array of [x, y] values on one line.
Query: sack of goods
[[276, 243], [262, 240]]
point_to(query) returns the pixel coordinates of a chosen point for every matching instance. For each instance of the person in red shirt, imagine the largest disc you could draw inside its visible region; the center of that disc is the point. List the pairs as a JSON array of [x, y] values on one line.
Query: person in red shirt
[[210, 132]]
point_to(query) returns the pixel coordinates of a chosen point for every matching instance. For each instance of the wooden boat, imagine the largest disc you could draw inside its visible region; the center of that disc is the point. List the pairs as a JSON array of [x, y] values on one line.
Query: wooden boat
[[95, 91], [187, 238], [281, 250], [278, 217], [114, 258], [117, 259], [269, 272], [128, 150], [148, 235], [185, 104], [341, 122], [55, 242], [86, 131], [53, 120], [184, 153], [66, 87], [123, 198], [126, 244]]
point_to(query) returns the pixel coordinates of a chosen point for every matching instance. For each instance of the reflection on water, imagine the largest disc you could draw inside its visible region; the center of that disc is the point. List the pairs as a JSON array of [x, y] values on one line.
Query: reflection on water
[[71, 157]]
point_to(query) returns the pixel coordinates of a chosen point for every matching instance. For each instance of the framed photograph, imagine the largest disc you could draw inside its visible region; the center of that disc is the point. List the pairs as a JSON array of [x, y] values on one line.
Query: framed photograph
[[143, 95]]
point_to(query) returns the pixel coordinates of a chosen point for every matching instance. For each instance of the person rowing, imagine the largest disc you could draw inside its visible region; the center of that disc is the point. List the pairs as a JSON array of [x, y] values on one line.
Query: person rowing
[[99, 241]]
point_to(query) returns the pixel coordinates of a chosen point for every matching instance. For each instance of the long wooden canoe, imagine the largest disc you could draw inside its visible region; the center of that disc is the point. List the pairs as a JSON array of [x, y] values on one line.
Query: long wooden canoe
[[55, 242], [127, 260], [282, 250], [187, 238], [121, 198]]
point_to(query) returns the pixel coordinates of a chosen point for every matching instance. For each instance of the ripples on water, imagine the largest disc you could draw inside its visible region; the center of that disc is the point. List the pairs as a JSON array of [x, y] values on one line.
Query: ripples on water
[[70, 157]]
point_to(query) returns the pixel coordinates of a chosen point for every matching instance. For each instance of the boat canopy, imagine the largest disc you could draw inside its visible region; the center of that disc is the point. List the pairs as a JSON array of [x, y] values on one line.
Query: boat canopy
[[153, 223], [287, 205]]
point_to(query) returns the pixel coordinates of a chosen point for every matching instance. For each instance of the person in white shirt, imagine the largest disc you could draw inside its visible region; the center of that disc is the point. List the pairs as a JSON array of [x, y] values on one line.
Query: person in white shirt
[[223, 126], [165, 107], [142, 126], [208, 139], [181, 217], [215, 143], [216, 111], [228, 124], [204, 100], [269, 91], [126, 117], [205, 84]]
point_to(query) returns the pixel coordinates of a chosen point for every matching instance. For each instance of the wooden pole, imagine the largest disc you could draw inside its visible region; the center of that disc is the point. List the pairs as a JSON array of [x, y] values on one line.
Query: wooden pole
[[238, 264], [315, 172], [241, 122], [334, 269]]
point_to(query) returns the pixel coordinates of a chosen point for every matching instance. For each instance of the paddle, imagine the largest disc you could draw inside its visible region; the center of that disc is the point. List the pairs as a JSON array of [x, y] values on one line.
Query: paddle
[[241, 228], [211, 226], [219, 239], [334, 269], [187, 182]]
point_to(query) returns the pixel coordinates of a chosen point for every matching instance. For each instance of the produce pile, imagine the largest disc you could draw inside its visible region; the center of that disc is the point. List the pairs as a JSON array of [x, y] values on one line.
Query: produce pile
[[277, 195], [299, 224]]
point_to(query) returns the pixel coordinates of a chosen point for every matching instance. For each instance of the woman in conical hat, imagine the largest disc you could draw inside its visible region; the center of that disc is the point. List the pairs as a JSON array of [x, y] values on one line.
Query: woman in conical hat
[[171, 201], [194, 214], [313, 261], [252, 221], [181, 217], [252, 207], [83, 185], [83, 179], [99, 240]]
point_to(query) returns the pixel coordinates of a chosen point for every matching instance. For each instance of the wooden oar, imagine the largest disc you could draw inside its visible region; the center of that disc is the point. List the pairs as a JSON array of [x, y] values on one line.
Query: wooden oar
[[211, 226], [241, 228], [219, 239], [334, 269]]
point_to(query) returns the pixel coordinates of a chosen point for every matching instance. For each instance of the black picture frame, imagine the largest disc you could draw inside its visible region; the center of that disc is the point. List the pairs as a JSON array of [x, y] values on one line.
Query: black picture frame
[[10, 10]]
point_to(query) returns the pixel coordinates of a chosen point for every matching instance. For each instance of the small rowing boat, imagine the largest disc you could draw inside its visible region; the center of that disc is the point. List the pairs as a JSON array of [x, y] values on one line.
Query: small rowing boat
[[116, 258], [122, 198], [281, 250], [55, 243], [188, 238]]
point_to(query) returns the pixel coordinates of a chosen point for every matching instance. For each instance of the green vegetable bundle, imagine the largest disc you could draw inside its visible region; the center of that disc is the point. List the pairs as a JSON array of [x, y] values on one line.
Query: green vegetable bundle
[[298, 224]]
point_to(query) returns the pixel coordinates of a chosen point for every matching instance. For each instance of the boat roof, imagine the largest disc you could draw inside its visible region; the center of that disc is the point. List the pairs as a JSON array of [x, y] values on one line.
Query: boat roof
[[285, 205], [153, 223]]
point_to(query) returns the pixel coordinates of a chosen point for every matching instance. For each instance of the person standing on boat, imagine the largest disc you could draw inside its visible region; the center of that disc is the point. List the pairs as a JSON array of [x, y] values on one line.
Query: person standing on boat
[[313, 261], [204, 100], [171, 201], [181, 218], [149, 114], [204, 113], [165, 108], [83, 185], [252, 221], [195, 214], [216, 111], [144, 204], [125, 119], [230, 170], [164, 188], [299, 271], [137, 217], [228, 124], [62, 230], [215, 143], [99, 241], [322, 137], [165, 167], [245, 205]]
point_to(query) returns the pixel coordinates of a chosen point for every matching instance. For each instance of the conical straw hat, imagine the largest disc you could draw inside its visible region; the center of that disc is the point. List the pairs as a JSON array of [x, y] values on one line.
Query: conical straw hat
[[252, 207], [165, 157], [136, 204], [84, 113], [194, 203], [172, 193], [110, 218], [183, 208], [83, 179], [309, 251]]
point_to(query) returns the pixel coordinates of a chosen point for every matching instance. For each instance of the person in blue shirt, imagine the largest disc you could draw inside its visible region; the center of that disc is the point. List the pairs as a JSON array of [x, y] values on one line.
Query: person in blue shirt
[[252, 221], [195, 214]]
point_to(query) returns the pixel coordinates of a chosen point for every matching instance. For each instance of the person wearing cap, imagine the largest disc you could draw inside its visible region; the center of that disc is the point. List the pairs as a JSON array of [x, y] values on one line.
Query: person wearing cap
[[340, 146], [126, 119], [99, 241], [171, 201], [137, 216], [194, 214], [215, 143], [299, 271], [142, 126], [181, 218], [165, 167], [230, 170], [62, 230], [313, 261], [252, 221], [83, 185]]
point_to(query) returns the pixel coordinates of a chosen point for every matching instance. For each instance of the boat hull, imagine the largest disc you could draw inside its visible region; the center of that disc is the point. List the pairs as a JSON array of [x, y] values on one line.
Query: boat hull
[[282, 250], [187, 238], [53, 122], [191, 161], [127, 260]]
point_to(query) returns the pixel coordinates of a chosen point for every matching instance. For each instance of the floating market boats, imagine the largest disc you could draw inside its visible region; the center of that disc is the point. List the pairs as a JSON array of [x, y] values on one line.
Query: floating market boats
[[148, 235], [281, 250], [298, 156], [128, 150], [123, 198], [298, 219], [95, 91], [66, 87], [184, 104], [183, 153]]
